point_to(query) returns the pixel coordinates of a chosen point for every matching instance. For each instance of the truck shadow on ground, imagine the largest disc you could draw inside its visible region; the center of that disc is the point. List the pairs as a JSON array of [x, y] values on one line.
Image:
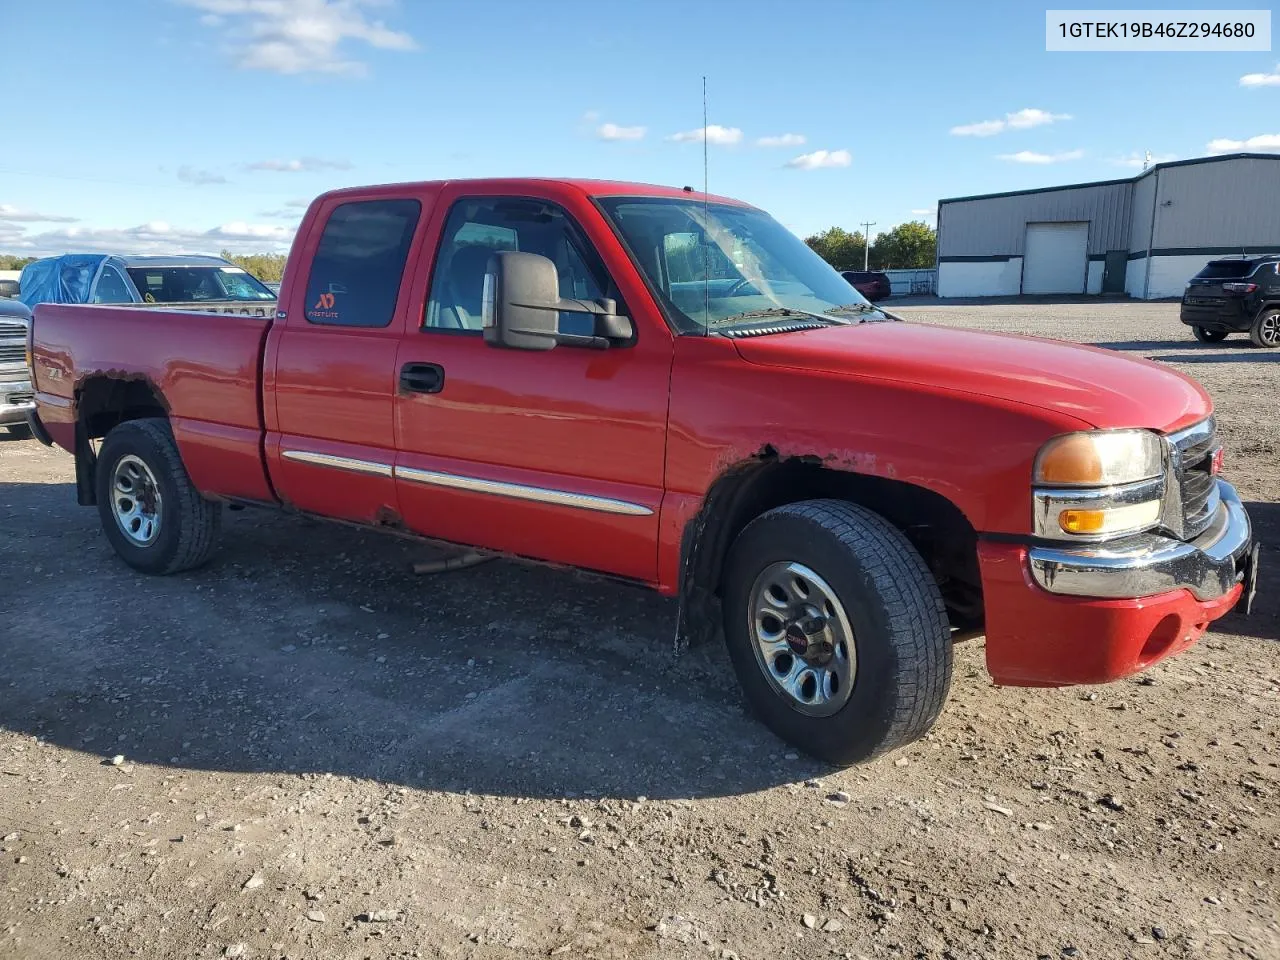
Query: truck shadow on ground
[[1264, 621], [308, 647]]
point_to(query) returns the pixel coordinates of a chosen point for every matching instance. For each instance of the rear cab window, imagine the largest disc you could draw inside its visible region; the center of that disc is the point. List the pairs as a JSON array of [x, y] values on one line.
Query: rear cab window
[[359, 264]]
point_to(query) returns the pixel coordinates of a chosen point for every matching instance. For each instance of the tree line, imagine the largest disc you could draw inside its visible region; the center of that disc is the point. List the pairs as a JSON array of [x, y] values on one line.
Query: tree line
[[907, 246], [264, 266]]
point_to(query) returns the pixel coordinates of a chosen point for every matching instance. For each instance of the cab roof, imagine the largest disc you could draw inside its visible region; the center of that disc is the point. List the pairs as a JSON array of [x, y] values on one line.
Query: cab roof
[[592, 188]]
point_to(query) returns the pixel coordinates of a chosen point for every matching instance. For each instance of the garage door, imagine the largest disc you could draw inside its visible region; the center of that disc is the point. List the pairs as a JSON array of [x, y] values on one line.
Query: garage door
[[1054, 259]]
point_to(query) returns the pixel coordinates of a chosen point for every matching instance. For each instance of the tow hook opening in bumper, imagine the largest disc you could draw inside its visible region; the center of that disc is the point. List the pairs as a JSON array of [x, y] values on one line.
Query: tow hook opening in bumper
[[1209, 566]]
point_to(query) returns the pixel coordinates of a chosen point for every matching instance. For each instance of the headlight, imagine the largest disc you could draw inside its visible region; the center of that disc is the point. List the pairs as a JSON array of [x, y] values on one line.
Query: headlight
[[1096, 485], [1100, 458]]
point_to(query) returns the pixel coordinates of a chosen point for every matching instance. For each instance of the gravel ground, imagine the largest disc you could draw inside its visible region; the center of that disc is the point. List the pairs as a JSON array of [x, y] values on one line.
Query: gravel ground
[[303, 750]]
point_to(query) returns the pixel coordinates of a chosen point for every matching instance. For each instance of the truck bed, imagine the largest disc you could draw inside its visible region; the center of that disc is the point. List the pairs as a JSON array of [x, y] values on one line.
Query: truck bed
[[197, 363]]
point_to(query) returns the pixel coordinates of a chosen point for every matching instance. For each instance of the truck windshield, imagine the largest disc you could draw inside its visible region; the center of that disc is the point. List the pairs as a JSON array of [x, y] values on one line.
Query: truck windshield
[[193, 284], [720, 265]]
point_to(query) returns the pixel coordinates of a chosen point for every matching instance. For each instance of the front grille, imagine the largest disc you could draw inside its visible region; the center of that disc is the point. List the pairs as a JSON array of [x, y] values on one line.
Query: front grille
[[13, 352], [1193, 453]]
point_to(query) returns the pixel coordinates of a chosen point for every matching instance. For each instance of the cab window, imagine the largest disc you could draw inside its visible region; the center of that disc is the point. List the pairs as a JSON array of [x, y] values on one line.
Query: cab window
[[477, 228], [356, 272]]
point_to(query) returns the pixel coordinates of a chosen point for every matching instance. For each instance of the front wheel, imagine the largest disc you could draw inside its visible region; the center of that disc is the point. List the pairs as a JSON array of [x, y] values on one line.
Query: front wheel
[[1205, 335], [151, 512], [1265, 331], [836, 630]]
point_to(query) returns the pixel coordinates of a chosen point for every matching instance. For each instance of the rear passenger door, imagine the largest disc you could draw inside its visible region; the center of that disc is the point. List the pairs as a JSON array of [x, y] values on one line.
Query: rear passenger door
[[329, 374]]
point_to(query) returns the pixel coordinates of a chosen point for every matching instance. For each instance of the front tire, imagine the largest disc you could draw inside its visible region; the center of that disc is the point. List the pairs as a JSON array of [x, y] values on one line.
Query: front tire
[[1209, 336], [836, 630], [151, 512], [1265, 331]]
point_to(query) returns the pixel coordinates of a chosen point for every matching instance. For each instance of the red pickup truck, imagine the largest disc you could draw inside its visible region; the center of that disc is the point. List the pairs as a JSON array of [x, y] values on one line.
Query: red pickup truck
[[671, 389]]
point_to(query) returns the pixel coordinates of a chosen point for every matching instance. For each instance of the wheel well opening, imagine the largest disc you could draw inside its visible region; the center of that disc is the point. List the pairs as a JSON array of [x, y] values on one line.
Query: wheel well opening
[[933, 524], [105, 402], [102, 404]]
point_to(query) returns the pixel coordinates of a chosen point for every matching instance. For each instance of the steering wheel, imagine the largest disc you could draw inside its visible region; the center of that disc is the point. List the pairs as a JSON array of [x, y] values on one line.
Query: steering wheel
[[736, 286]]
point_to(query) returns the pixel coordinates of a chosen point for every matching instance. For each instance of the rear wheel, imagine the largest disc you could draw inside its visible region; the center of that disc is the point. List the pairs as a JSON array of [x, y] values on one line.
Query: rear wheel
[[1265, 331], [1205, 335], [151, 512], [836, 630]]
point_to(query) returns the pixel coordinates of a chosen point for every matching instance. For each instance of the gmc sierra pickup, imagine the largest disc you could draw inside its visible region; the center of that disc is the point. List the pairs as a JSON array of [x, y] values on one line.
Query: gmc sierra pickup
[[671, 389]]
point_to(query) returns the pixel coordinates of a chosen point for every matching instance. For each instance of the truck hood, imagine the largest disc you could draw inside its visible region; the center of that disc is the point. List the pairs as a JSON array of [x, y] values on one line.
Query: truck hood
[[1103, 388]]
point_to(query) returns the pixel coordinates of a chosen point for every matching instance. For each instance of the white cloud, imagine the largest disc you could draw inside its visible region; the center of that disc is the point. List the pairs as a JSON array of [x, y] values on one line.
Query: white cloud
[[984, 128], [12, 214], [591, 116], [821, 158], [199, 178], [1030, 156], [1263, 143], [1018, 120], [298, 36], [924, 212], [154, 237], [1136, 161], [305, 165], [611, 131], [1271, 79], [713, 133], [782, 140]]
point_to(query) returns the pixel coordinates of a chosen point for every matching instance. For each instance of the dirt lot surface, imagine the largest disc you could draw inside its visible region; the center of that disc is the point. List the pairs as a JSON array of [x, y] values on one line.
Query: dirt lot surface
[[318, 754]]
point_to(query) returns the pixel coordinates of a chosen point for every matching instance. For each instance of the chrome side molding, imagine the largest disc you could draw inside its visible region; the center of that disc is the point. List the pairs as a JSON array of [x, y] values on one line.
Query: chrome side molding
[[370, 467], [498, 488], [520, 491]]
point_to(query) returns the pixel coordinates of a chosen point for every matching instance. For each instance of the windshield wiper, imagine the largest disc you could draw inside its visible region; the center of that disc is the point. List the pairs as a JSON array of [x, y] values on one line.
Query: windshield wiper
[[863, 308], [775, 313]]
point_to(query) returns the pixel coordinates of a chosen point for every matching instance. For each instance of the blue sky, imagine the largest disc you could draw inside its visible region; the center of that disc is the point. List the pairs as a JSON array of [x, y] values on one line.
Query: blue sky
[[191, 125]]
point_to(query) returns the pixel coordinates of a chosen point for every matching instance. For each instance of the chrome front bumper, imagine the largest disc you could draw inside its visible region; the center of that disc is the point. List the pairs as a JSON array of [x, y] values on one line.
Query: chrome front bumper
[[1144, 566], [16, 399]]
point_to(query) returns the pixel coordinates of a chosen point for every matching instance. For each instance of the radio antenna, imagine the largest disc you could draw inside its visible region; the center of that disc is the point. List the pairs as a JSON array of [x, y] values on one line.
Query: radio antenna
[[706, 260]]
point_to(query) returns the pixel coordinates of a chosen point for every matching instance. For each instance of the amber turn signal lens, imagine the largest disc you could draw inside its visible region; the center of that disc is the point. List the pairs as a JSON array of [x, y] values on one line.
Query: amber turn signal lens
[[1122, 519], [1083, 521]]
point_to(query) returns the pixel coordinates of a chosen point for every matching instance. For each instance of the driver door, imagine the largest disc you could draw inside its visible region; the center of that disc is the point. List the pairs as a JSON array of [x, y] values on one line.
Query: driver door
[[554, 455]]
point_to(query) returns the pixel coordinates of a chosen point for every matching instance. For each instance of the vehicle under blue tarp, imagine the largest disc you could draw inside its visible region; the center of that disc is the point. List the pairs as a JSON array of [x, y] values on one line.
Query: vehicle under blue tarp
[[65, 279]]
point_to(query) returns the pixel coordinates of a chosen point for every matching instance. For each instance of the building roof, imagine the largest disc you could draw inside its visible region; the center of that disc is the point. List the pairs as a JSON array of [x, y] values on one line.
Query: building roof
[[1106, 183]]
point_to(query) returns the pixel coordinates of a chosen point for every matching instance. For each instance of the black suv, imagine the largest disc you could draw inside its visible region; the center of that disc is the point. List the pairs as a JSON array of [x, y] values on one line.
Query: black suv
[[1235, 296]]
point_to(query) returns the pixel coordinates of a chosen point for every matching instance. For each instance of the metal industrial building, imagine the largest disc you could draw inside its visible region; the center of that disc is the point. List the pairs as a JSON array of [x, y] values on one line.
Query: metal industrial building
[[1144, 236]]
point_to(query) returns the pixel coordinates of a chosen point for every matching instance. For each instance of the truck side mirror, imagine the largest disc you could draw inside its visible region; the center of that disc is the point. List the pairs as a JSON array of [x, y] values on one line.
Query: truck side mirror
[[521, 307]]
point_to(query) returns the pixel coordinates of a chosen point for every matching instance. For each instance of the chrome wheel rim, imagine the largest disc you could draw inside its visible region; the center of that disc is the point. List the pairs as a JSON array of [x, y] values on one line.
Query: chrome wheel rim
[[135, 500], [802, 639], [1270, 329]]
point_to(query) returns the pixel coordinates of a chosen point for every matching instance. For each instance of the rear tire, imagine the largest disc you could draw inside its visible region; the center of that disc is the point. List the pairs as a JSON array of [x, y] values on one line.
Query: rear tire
[[152, 514], [1265, 331], [1209, 336], [874, 596]]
